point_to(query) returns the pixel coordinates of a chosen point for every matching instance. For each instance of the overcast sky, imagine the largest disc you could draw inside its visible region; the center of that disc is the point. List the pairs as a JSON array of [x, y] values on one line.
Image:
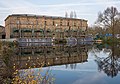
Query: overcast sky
[[85, 9]]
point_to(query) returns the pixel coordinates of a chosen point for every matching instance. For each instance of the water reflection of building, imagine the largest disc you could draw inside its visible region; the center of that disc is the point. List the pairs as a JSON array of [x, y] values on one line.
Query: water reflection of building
[[49, 56]]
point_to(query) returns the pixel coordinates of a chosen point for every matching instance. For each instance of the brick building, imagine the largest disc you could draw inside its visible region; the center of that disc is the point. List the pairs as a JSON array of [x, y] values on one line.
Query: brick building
[[36, 26], [2, 32]]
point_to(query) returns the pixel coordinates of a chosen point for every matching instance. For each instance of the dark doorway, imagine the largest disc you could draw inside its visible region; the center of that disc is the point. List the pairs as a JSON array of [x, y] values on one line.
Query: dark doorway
[[3, 36]]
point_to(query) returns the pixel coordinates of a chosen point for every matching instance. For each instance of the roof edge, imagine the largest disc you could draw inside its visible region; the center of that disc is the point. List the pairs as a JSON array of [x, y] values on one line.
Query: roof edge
[[33, 15]]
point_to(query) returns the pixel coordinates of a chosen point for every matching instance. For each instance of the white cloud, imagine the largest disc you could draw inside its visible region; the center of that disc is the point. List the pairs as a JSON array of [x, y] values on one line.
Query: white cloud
[[94, 78], [85, 10]]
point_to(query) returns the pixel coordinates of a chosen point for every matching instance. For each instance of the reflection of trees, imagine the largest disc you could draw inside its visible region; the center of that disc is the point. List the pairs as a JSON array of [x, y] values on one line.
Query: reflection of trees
[[110, 64], [37, 57], [72, 66], [11, 73], [6, 54], [33, 76]]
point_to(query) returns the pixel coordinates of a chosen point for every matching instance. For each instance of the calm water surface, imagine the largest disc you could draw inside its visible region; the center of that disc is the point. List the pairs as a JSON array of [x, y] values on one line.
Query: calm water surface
[[68, 64]]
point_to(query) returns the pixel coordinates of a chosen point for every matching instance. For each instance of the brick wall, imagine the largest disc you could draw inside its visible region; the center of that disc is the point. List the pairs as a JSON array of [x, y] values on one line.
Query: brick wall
[[47, 26]]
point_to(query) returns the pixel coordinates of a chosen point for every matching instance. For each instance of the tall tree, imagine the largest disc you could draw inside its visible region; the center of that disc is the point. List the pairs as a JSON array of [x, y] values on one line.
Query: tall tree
[[75, 16], [117, 26], [71, 14], [108, 18], [66, 14]]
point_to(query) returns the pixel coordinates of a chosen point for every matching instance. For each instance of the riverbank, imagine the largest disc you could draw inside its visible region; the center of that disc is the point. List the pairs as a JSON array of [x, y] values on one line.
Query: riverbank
[[4, 77], [111, 41], [6, 51]]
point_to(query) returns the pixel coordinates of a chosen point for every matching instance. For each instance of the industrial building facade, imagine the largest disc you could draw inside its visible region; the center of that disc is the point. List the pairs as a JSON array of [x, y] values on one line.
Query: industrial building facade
[[36, 26], [2, 32]]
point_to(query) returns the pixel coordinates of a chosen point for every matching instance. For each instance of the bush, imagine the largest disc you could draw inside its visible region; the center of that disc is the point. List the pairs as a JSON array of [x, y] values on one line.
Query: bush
[[111, 40]]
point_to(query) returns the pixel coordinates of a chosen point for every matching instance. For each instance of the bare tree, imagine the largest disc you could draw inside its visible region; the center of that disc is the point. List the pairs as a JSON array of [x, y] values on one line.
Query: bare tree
[[108, 18], [71, 14], [117, 26], [95, 30], [75, 16], [66, 14]]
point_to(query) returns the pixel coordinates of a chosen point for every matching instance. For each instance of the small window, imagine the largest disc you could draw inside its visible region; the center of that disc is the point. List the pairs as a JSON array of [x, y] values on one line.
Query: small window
[[68, 24], [45, 22], [60, 23], [15, 30], [48, 31], [53, 23], [74, 24]]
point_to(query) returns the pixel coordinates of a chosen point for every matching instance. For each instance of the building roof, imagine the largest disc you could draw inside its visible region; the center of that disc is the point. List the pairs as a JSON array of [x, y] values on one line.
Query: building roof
[[32, 15]]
